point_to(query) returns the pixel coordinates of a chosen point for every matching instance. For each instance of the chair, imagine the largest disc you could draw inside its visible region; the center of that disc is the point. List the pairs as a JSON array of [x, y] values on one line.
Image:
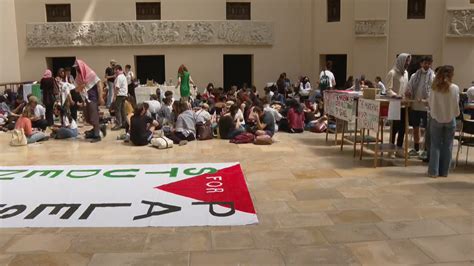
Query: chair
[[467, 127]]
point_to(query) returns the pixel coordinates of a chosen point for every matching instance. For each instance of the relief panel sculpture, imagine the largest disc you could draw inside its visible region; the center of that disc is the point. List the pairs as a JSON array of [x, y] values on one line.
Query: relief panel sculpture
[[461, 23], [370, 28], [130, 33]]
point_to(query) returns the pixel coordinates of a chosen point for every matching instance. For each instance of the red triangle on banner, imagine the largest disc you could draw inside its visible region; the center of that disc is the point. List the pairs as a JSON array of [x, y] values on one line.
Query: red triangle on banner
[[205, 188]]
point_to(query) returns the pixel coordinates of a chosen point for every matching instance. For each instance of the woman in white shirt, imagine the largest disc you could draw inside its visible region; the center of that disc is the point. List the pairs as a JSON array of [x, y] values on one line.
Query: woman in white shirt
[[305, 87], [444, 108], [68, 128]]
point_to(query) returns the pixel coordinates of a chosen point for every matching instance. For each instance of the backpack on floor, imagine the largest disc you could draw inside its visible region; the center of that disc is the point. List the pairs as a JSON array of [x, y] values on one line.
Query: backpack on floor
[[18, 138], [243, 138], [204, 131], [263, 140], [162, 143]]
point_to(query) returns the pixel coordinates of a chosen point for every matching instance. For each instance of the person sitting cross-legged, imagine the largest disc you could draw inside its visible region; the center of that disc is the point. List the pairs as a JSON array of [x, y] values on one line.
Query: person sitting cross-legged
[[142, 126], [185, 129], [265, 122], [24, 123]]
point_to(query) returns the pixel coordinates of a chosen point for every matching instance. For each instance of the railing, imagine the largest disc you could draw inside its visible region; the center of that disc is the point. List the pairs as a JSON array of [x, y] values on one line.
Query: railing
[[13, 86]]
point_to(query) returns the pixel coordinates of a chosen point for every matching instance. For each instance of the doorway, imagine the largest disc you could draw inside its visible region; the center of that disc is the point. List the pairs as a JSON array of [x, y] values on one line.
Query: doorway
[[150, 67], [238, 70], [339, 67], [55, 63]]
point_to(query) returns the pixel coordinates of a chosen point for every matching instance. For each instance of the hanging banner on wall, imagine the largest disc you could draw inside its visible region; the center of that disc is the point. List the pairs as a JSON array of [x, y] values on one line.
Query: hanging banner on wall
[[125, 196]]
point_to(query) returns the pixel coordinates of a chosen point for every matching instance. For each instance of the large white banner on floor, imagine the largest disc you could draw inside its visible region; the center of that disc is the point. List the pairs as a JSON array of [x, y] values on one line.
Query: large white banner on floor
[[125, 196]]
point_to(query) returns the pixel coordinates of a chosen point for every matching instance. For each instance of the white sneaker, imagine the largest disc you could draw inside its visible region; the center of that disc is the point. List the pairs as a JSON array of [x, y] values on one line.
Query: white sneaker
[[413, 153]]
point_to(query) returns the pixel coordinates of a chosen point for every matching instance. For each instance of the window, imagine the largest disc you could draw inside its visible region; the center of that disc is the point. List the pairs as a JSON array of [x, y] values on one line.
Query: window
[[238, 11], [58, 13], [416, 9], [149, 11], [334, 10]]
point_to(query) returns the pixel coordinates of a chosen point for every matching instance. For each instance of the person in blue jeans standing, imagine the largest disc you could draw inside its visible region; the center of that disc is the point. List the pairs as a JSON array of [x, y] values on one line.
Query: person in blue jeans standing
[[444, 108]]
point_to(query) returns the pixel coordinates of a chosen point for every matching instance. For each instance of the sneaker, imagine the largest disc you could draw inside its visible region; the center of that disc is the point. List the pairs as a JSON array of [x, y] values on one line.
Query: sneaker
[[431, 176], [116, 128], [413, 153], [183, 142], [103, 129]]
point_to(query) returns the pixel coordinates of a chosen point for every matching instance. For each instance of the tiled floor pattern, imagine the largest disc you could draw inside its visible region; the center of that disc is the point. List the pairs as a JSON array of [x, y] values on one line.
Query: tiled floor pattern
[[316, 205]]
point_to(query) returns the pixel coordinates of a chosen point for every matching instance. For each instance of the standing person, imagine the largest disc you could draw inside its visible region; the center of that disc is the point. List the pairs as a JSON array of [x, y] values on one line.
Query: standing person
[[380, 85], [327, 81], [444, 108], [418, 89], [184, 81], [121, 93], [130, 81], [89, 86], [47, 84], [69, 77], [397, 81], [110, 78]]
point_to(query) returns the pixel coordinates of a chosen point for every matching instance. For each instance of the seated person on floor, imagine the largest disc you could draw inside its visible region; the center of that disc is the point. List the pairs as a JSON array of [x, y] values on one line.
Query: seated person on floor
[[24, 123], [202, 115], [154, 106], [68, 127], [185, 129], [265, 122], [296, 117], [276, 115], [169, 95], [38, 113], [165, 113], [142, 126]]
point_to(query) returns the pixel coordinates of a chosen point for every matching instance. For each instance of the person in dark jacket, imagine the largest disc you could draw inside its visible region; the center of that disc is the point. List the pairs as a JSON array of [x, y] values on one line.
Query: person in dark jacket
[[47, 85]]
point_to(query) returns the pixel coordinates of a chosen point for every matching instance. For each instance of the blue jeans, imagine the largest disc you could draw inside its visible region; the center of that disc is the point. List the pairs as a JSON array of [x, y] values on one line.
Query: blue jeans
[[110, 93], [35, 137], [66, 133], [442, 136]]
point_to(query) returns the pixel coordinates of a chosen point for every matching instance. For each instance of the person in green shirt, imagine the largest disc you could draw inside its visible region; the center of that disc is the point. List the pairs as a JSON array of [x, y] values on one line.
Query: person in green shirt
[[184, 81]]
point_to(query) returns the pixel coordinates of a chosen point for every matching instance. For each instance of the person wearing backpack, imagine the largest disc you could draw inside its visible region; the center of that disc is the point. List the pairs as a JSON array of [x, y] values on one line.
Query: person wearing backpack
[[327, 81]]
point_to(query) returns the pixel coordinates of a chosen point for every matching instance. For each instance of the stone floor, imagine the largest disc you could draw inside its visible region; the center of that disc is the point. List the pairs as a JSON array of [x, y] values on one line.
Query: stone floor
[[316, 205]]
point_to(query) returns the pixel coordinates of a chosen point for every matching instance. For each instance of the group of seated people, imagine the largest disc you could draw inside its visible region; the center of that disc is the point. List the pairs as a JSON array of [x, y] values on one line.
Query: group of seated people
[[227, 113]]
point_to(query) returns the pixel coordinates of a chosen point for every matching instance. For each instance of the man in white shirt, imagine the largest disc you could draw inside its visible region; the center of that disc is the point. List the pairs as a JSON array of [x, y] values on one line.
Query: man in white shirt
[[396, 83], [130, 81], [121, 93], [327, 81]]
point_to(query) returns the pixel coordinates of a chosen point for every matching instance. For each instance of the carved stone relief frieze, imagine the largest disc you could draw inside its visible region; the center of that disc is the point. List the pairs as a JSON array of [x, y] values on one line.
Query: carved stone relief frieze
[[130, 33], [370, 28], [461, 23]]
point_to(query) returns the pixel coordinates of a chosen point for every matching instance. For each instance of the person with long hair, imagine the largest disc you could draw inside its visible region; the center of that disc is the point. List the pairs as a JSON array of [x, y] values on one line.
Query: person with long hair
[[68, 128], [184, 81], [443, 102], [89, 86], [47, 85], [296, 117]]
